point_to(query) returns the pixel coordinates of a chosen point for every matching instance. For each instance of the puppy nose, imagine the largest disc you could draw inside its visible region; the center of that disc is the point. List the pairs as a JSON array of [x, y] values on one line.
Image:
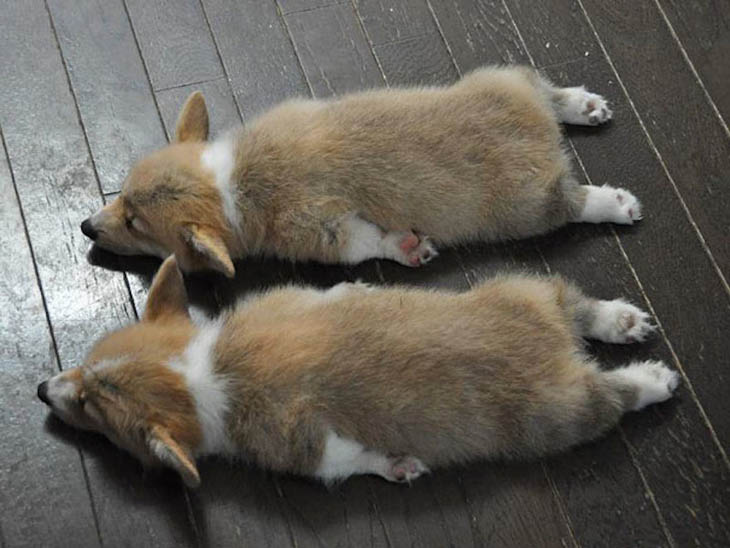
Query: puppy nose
[[89, 230], [43, 392]]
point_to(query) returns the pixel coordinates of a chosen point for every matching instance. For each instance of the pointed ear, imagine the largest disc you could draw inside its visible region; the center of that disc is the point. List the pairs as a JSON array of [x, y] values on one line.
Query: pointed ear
[[192, 123], [171, 454], [211, 248], [167, 294]]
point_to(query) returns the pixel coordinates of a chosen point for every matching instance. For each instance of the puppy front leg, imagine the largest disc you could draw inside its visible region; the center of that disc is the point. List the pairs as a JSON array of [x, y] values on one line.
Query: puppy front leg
[[364, 240]]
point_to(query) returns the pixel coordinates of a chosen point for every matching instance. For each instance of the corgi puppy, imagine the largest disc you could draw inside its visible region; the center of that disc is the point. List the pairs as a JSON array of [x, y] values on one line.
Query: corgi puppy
[[357, 380], [387, 174]]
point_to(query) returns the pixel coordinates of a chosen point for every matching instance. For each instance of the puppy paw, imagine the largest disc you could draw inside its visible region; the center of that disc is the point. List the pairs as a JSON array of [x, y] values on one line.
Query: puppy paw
[[629, 207], [415, 250], [654, 381], [404, 469], [620, 322], [581, 107]]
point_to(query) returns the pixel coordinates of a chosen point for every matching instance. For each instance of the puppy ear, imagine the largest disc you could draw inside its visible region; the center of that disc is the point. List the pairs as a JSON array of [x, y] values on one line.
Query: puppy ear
[[192, 123], [167, 294], [170, 453], [210, 248]]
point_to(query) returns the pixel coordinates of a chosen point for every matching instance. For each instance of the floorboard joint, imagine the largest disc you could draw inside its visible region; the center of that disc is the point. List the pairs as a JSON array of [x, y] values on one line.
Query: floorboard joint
[[691, 65], [654, 149]]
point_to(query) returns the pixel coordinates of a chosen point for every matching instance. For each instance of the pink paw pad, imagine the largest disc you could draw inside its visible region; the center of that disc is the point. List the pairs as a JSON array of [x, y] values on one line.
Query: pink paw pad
[[417, 250]]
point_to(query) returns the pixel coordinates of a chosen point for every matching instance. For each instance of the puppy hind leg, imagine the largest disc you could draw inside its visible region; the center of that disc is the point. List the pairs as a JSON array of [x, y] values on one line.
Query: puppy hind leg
[[364, 240], [580, 416], [344, 457]]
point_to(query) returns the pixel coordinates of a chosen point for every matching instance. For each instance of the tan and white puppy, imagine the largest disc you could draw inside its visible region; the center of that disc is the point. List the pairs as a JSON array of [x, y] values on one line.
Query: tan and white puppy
[[358, 380], [379, 174]]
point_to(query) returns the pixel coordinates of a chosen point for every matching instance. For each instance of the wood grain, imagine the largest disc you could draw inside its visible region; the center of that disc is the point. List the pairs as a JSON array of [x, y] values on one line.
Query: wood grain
[[114, 97], [334, 53], [257, 53], [37, 471], [665, 255], [686, 131], [703, 29], [175, 42]]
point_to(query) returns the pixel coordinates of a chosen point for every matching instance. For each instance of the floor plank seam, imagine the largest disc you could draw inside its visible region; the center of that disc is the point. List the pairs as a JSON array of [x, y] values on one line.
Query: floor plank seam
[[220, 60], [649, 492], [660, 328], [365, 33], [691, 65], [654, 149], [561, 505], [47, 315], [144, 64], [185, 84]]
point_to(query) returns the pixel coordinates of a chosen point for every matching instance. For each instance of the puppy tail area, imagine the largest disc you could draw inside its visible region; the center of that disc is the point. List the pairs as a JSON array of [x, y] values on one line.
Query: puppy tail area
[[595, 404]]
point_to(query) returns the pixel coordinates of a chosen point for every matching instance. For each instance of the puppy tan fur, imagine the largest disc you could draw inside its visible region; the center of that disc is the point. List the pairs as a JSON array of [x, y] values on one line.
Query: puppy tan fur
[[378, 174], [357, 380]]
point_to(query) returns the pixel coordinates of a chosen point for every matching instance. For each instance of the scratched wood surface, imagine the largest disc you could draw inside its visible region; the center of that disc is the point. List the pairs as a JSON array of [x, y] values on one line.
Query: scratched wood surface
[[88, 88]]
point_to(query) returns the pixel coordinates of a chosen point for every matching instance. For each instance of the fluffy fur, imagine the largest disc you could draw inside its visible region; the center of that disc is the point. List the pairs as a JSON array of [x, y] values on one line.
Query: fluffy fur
[[358, 380], [367, 175]]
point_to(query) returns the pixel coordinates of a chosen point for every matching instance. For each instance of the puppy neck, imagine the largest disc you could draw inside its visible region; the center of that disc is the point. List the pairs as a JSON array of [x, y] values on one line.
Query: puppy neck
[[208, 388], [219, 157]]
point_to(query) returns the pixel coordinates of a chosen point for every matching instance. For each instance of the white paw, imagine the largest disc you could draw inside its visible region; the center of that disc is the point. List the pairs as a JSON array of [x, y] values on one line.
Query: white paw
[[414, 250], [654, 380], [584, 108], [629, 207], [620, 322], [595, 109], [404, 469], [606, 204]]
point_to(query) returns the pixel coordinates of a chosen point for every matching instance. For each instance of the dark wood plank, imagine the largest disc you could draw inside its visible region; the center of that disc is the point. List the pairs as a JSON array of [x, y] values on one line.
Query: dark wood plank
[[38, 472], [101, 55], [388, 21], [478, 32], [665, 254], [57, 189], [581, 477], [703, 28], [658, 79], [416, 61], [256, 51], [335, 55], [293, 6], [175, 42]]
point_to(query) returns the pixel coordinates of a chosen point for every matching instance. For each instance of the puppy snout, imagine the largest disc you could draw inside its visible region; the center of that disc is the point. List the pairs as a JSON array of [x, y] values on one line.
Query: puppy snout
[[88, 229], [43, 392]]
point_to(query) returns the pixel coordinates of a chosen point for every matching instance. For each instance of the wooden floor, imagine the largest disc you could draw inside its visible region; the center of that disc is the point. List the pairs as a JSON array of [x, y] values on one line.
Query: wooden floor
[[87, 87]]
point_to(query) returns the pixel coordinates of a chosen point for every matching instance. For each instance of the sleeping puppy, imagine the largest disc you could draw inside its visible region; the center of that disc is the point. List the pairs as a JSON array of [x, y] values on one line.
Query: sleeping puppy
[[388, 174], [358, 380]]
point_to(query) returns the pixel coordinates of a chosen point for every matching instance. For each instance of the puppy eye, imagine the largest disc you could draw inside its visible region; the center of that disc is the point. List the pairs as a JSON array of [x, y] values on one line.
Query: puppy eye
[[129, 221]]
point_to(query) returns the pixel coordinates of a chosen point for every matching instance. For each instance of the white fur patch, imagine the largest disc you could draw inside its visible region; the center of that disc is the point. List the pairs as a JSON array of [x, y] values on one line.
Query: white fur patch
[[207, 388], [344, 457], [583, 108], [219, 157], [364, 241], [61, 392], [605, 204], [654, 380], [620, 322]]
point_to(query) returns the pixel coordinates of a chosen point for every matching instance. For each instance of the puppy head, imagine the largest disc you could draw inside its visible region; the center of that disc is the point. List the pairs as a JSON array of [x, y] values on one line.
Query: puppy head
[[169, 204], [126, 390]]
